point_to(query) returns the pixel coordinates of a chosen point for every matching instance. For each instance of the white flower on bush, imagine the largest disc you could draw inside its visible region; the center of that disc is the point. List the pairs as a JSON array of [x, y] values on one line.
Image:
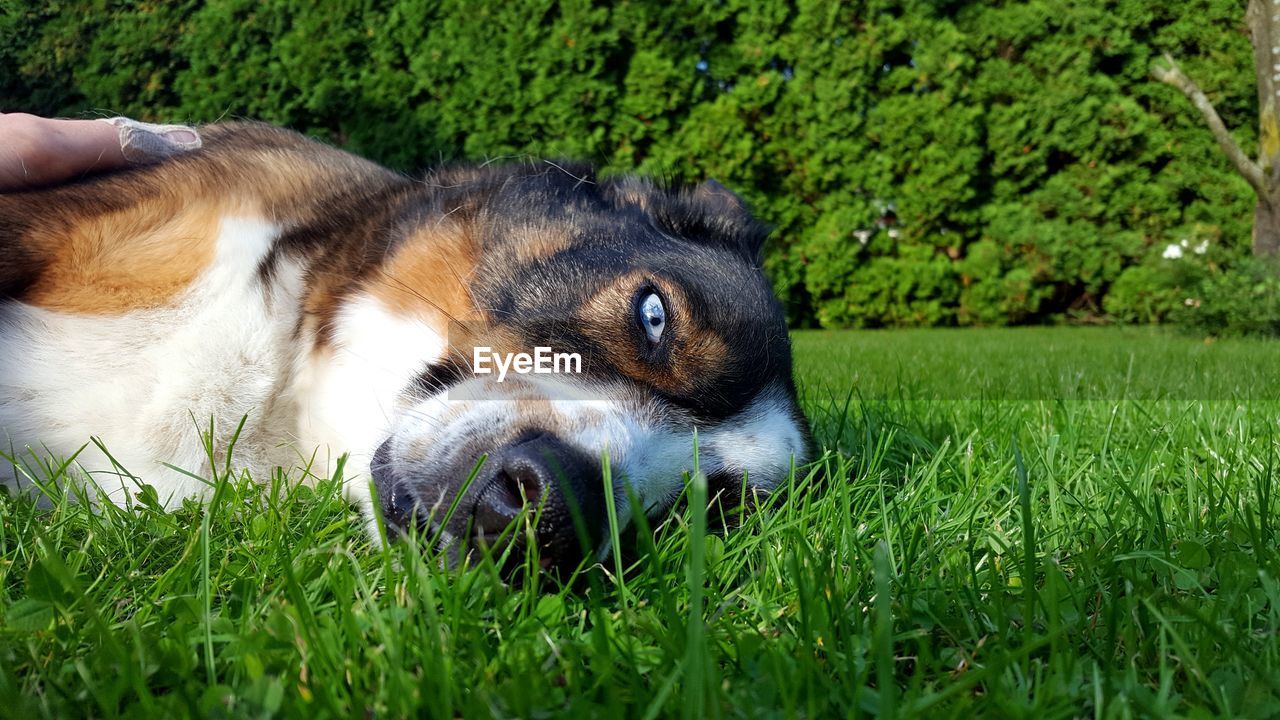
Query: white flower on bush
[[1173, 251]]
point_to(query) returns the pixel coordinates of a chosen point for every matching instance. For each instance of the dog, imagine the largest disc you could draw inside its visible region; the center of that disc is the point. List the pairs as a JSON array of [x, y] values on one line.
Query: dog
[[321, 309]]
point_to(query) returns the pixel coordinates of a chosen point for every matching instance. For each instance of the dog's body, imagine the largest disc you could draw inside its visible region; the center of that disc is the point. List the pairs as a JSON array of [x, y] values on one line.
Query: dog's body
[[322, 299]]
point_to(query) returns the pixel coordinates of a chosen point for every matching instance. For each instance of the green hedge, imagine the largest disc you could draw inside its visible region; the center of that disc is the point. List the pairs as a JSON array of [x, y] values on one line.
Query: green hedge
[[923, 163]]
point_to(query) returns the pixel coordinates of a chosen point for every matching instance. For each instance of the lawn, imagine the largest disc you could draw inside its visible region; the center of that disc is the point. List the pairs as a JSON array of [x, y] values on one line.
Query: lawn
[[1059, 522]]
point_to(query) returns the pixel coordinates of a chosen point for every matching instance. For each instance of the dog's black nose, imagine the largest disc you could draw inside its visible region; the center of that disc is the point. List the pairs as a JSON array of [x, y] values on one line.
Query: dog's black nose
[[561, 487]]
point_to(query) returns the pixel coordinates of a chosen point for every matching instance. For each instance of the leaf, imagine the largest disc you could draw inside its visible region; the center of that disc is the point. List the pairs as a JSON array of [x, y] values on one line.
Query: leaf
[[550, 610], [260, 526], [1185, 579], [50, 579], [1192, 555], [29, 615], [714, 545]]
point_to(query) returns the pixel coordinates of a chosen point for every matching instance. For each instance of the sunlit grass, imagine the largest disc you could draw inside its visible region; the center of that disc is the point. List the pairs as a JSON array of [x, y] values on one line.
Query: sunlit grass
[[952, 553]]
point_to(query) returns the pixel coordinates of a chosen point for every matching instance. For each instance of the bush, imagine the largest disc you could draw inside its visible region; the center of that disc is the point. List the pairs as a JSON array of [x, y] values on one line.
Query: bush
[[1201, 285], [1243, 299], [1145, 294], [995, 291]]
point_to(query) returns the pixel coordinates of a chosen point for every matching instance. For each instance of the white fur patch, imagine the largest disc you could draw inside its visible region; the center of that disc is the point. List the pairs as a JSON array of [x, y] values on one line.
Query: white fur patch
[[144, 381], [348, 396], [760, 441]]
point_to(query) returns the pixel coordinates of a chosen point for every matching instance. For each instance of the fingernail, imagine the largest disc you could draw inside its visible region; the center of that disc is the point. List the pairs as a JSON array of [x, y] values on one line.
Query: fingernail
[[146, 142], [183, 138]]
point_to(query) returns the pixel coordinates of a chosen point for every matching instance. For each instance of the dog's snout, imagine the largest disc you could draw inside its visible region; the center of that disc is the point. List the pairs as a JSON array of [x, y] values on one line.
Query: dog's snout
[[556, 483]]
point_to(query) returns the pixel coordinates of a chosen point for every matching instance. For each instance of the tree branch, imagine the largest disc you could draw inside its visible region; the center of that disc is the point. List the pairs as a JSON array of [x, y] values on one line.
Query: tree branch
[[1173, 75]]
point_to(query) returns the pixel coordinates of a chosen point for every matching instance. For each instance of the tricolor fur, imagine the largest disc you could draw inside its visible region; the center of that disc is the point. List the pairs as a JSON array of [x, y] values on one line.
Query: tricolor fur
[[333, 304]]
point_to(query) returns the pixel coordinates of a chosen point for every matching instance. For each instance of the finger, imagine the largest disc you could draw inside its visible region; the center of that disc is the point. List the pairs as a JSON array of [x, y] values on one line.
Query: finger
[[146, 142], [38, 151], [85, 146], [41, 151]]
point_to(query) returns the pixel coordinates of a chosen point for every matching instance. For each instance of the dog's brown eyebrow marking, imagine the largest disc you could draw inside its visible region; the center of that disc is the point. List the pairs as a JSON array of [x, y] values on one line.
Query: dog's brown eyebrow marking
[[541, 242]]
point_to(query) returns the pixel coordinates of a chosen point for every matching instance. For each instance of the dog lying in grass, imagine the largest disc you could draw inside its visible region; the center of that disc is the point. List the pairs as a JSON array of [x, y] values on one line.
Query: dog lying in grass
[[306, 305]]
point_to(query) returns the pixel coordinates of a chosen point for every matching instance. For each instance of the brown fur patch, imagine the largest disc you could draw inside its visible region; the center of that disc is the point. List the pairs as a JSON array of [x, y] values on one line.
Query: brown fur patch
[[427, 276], [134, 239], [697, 354], [139, 257], [538, 243]]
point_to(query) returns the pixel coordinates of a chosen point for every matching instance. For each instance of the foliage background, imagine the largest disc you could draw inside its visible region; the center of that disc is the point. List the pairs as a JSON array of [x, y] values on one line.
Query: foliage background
[[951, 162]]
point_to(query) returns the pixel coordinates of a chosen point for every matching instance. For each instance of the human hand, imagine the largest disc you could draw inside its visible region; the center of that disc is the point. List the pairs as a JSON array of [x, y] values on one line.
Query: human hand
[[37, 151]]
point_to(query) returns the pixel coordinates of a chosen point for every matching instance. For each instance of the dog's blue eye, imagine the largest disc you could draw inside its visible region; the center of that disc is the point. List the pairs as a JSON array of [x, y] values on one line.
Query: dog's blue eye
[[653, 317]]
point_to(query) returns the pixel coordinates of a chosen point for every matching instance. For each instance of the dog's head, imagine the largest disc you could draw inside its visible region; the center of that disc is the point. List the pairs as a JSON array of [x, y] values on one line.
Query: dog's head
[[647, 309]]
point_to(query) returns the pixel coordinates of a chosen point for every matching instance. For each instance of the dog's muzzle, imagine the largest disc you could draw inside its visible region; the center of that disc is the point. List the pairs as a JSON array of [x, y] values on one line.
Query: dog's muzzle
[[536, 481]]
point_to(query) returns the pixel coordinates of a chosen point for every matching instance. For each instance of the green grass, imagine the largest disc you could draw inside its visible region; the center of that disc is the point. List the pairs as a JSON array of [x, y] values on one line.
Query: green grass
[[1047, 522]]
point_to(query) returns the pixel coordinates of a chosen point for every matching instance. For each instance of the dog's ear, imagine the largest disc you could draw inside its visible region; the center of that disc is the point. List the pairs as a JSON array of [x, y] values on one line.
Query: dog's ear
[[728, 221]]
